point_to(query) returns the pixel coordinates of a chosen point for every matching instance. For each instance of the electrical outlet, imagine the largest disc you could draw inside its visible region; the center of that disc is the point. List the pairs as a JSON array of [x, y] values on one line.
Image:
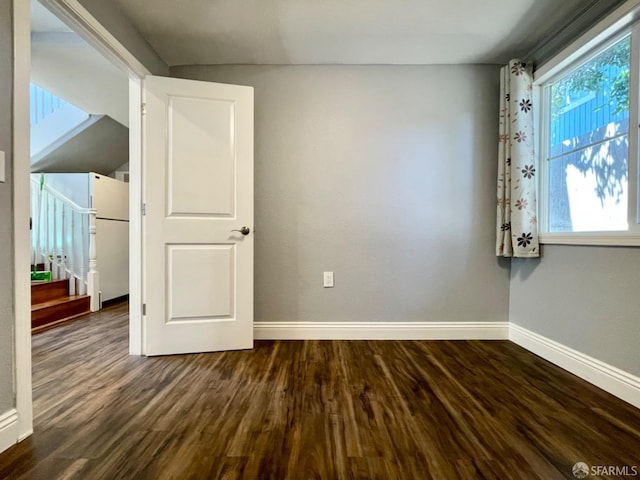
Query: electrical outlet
[[328, 279]]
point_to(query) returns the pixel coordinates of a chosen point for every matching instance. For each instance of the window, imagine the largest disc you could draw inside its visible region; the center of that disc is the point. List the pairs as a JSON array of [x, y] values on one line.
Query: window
[[587, 191]]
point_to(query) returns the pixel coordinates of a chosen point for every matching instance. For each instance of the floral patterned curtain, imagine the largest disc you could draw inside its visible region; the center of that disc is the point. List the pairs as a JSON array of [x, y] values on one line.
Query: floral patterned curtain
[[517, 231]]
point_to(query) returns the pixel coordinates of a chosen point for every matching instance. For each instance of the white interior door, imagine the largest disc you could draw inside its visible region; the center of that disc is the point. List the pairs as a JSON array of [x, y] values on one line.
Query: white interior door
[[198, 194]]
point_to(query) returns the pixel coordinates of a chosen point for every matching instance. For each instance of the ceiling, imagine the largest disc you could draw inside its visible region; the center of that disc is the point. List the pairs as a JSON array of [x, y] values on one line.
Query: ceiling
[[202, 32], [106, 140]]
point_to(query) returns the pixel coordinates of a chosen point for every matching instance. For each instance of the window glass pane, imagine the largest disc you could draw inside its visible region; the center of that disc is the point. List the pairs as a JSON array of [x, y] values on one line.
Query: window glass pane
[[586, 193], [588, 145]]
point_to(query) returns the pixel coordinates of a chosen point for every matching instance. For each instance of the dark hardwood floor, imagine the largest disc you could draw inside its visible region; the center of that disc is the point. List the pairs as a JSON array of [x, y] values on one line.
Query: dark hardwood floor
[[310, 410]]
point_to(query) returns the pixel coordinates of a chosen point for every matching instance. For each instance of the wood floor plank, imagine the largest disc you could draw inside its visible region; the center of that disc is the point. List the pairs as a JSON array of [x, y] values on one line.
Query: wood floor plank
[[310, 410]]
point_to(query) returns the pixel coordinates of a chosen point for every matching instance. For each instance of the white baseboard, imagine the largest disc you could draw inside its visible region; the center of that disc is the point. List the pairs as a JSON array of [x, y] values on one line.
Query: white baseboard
[[381, 331], [611, 379], [8, 429]]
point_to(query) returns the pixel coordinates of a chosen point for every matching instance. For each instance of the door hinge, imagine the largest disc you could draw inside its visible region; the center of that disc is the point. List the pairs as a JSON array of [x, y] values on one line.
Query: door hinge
[[144, 109], [144, 209], [144, 309]]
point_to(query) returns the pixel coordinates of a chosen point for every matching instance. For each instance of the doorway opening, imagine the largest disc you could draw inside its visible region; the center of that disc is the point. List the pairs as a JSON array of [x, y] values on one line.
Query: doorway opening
[[196, 234], [79, 20], [79, 117]]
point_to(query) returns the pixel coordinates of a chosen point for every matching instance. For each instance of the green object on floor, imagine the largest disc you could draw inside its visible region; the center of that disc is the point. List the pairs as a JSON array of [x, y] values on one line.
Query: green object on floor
[[40, 276]]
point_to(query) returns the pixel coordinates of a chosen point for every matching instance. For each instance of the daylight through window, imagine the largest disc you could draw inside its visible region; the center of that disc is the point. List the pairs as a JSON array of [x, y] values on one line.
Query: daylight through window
[[585, 154]]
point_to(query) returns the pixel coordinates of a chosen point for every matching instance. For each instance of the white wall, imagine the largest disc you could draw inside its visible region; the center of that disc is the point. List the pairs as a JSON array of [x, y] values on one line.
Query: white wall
[[75, 186], [74, 72], [383, 174]]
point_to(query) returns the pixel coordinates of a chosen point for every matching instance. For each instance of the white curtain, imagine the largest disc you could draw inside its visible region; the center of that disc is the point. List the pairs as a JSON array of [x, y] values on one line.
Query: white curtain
[[517, 223]]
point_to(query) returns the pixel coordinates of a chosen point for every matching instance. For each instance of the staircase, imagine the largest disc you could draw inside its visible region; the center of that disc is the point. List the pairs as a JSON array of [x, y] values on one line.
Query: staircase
[[52, 303], [64, 250], [63, 244]]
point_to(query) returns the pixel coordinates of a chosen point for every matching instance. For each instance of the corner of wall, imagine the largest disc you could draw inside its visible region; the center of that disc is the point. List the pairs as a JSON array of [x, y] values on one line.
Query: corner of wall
[[122, 29]]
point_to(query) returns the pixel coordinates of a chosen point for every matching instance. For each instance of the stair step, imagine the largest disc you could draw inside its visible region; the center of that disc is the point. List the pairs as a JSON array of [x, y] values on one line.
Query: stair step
[[45, 291], [58, 310]]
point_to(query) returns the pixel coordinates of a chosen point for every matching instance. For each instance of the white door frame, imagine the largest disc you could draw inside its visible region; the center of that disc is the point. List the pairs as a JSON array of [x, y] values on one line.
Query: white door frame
[[84, 24], [21, 214]]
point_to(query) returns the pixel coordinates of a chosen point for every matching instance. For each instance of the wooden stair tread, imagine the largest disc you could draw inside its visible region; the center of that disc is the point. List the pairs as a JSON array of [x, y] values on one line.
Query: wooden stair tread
[[51, 304], [46, 291], [54, 311], [59, 301]]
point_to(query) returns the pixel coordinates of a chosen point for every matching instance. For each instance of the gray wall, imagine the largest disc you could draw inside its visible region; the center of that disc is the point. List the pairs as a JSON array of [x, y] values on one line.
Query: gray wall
[[383, 174], [108, 14], [6, 210], [587, 298]]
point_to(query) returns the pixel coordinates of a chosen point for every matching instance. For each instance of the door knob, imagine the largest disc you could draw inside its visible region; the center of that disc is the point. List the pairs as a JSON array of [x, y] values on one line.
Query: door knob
[[243, 230]]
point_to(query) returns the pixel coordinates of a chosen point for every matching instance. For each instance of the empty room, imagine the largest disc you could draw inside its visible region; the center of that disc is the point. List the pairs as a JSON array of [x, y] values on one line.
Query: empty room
[[366, 239]]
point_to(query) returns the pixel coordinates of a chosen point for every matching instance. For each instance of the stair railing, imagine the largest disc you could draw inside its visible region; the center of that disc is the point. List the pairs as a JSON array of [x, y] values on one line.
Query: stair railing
[[43, 103], [63, 238]]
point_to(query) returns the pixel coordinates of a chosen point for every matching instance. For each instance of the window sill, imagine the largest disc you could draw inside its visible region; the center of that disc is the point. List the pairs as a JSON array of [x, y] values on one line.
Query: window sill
[[613, 239]]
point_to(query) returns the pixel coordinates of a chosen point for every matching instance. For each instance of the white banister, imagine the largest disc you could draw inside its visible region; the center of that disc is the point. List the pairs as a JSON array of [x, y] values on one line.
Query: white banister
[[71, 256], [93, 279], [63, 238], [80, 245]]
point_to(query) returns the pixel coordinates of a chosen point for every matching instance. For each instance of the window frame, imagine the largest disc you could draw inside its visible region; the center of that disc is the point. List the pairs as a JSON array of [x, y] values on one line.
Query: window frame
[[597, 40]]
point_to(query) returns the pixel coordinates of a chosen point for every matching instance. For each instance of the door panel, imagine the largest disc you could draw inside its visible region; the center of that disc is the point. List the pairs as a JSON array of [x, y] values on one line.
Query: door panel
[[198, 189], [193, 148], [211, 297]]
